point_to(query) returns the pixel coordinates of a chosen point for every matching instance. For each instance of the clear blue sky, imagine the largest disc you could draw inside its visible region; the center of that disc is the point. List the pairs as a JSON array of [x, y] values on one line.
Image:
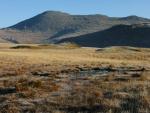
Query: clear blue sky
[[14, 11]]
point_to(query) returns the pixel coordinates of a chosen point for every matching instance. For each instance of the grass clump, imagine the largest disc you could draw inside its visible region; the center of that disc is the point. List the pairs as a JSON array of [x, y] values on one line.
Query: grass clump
[[145, 76]]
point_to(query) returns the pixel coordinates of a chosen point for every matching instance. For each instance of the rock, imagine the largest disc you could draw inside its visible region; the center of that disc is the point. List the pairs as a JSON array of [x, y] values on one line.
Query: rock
[[3, 99], [96, 68], [56, 94], [121, 79], [40, 74], [121, 95], [4, 91], [108, 95], [23, 102], [27, 107], [136, 75]]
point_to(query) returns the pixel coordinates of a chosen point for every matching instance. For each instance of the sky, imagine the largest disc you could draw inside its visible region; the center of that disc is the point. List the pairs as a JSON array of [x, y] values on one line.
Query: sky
[[14, 11]]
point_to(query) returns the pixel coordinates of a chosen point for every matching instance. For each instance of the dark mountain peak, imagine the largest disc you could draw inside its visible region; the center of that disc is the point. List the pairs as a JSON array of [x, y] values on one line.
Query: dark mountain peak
[[54, 22], [48, 21], [93, 15], [49, 13], [56, 25], [134, 18], [133, 26], [142, 25], [136, 35]]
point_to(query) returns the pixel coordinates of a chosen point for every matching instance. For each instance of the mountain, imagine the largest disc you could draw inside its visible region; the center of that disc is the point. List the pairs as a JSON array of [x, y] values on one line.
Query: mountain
[[17, 36], [136, 35], [133, 18], [53, 26]]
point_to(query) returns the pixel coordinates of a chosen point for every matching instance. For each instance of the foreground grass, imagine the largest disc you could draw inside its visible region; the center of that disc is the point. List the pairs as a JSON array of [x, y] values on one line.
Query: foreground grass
[[46, 78]]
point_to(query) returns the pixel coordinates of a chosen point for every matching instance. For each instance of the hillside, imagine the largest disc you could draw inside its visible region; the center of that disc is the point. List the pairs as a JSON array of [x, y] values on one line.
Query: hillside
[[53, 26], [137, 35], [17, 36]]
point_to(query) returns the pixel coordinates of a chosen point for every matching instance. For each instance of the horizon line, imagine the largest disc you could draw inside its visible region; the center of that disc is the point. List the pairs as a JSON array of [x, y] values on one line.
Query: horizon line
[[73, 14]]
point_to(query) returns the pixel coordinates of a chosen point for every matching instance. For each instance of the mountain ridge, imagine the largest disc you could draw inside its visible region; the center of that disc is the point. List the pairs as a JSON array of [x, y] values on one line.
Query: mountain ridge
[[53, 26], [137, 35]]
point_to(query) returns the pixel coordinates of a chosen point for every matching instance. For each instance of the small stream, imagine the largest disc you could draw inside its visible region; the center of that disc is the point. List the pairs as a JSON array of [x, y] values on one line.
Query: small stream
[[108, 71]]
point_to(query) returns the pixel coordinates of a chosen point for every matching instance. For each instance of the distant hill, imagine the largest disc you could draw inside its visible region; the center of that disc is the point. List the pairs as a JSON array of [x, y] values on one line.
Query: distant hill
[[53, 26], [137, 35]]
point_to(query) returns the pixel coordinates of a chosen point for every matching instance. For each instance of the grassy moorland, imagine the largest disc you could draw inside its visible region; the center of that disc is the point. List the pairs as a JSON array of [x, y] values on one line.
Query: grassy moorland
[[69, 79]]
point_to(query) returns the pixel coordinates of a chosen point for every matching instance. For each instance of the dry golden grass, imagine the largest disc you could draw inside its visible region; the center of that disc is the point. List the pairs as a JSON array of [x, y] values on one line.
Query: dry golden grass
[[58, 55], [42, 79]]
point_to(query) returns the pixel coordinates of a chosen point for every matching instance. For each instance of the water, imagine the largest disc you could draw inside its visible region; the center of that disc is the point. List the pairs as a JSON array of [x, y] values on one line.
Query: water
[[106, 72]]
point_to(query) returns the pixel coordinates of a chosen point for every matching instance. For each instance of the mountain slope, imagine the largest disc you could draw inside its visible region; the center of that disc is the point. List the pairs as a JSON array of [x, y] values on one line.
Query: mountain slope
[[58, 25], [137, 35], [17, 36]]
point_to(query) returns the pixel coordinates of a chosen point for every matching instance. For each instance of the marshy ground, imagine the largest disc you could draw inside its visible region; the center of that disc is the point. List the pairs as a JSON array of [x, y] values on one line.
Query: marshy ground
[[69, 79]]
